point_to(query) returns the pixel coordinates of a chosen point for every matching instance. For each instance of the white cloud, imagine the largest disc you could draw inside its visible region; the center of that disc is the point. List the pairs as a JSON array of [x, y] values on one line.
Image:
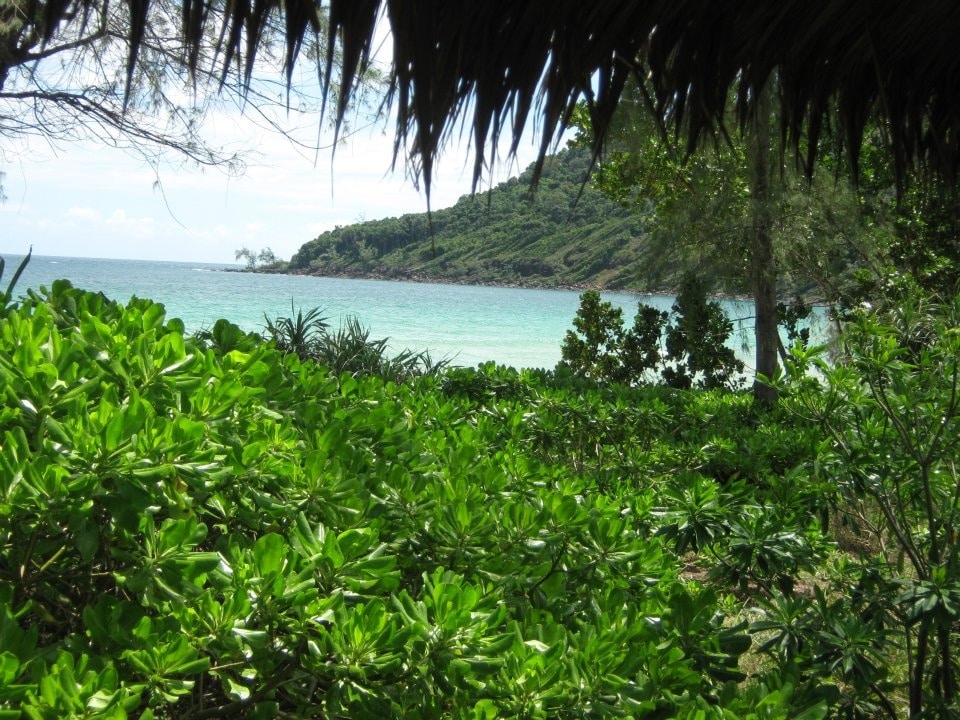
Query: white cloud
[[84, 214], [119, 218], [88, 199]]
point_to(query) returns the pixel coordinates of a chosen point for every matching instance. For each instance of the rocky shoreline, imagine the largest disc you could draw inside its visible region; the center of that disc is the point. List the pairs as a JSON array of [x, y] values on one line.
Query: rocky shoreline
[[418, 277]]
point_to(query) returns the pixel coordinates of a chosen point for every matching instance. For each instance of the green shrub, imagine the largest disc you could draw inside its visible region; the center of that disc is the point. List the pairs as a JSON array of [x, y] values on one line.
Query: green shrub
[[689, 350], [201, 526], [349, 349], [891, 411]]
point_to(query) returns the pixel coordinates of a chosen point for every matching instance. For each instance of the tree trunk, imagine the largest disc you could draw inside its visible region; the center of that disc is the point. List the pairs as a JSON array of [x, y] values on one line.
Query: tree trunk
[[763, 266]]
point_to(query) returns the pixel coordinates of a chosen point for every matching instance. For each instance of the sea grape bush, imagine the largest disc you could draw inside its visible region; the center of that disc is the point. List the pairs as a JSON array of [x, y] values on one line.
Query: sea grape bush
[[193, 531], [209, 526]]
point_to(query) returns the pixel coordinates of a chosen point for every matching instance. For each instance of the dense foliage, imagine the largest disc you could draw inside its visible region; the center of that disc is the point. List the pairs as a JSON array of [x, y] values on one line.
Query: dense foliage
[[689, 349], [891, 415], [200, 527], [567, 233]]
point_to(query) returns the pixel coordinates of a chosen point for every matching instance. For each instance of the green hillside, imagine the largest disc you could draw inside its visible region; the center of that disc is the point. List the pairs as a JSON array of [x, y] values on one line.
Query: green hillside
[[567, 234]]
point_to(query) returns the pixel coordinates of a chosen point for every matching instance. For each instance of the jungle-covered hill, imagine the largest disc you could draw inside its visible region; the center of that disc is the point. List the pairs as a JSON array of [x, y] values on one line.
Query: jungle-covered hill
[[566, 234]]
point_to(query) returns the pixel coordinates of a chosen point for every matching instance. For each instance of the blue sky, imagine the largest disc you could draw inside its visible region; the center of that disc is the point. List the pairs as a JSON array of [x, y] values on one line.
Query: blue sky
[[83, 199]]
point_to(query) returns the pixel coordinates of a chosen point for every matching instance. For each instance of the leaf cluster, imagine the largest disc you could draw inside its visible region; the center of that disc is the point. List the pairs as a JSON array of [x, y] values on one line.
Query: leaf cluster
[[348, 349]]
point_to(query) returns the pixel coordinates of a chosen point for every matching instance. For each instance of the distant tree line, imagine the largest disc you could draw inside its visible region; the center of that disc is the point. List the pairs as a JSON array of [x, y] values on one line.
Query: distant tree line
[[257, 260]]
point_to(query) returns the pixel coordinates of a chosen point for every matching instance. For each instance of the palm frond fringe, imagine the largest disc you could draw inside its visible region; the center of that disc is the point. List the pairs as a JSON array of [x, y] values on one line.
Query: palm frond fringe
[[490, 67]]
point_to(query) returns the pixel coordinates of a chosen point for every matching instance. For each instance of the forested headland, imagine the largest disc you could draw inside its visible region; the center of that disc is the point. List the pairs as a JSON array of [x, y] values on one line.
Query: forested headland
[[564, 233]]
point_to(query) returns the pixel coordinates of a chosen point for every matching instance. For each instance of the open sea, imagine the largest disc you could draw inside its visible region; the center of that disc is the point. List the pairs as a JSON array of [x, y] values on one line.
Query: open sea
[[468, 324]]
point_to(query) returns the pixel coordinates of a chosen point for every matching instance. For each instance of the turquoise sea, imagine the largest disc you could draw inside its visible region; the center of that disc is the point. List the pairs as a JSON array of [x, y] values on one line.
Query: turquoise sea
[[469, 324]]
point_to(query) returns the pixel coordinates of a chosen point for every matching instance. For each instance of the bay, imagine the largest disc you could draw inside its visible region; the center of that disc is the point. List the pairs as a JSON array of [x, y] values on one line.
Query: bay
[[467, 324]]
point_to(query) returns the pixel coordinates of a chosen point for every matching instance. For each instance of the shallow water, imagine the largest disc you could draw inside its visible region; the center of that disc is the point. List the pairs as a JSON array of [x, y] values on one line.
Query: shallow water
[[470, 324]]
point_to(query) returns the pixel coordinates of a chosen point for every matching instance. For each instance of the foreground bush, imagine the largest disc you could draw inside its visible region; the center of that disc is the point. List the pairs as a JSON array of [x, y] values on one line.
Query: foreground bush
[[232, 532], [890, 411]]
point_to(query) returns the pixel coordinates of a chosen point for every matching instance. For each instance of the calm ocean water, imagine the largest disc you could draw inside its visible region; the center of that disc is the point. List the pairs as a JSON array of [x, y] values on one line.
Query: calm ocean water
[[470, 324]]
